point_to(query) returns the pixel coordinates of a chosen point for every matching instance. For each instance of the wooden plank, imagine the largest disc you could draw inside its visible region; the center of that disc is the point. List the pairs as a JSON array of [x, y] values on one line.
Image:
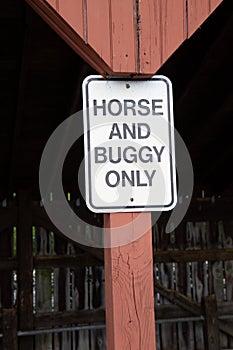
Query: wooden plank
[[43, 287], [73, 12], [150, 36], [8, 217], [129, 287], [71, 261], [25, 268], [10, 340], [214, 4], [123, 36], [173, 26], [75, 41], [6, 278], [98, 28], [53, 3], [198, 11], [8, 264], [200, 255], [212, 339], [65, 318]]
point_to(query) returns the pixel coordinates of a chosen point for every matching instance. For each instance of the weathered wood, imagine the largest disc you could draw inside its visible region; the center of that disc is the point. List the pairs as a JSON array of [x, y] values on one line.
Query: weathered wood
[[150, 40], [45, 320], [201, 255], [43, 287], [25, 268], [212, 339], [179, 299], [70, 36], [73, 12], [198, 11], [65, 261], [6, 277], [8, 264], [188, 305], [10, 341], [98, 16], [173, 26], [124, 36], [129, 287], [40, 219], [8, 217], [53, 3], [214, 4]]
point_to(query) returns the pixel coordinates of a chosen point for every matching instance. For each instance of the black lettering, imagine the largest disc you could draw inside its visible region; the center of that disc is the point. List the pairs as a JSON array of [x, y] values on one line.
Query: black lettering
[[112, 172], [115, 131], [129, 105], [126, 128], [142, 126], [118, 106], [133, 156], [139, 183], [146, 158], [158, 153], [100, 155], [157, 104], [103, 107], [150, 177], [118, 155], [126, 177], [145, 110]]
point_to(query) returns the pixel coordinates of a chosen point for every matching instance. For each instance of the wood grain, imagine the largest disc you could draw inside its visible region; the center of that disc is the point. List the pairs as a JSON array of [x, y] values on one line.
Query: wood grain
[[173, 26], [98, 28], [214, 4], [73, 12], [123, 36], [150, 37], [211, 324], [10, 340], [53, 3], [129, 288], [198, 11]]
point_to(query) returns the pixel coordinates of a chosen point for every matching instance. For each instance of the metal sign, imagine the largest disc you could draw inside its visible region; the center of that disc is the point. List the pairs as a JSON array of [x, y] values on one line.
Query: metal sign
[[129, 144]]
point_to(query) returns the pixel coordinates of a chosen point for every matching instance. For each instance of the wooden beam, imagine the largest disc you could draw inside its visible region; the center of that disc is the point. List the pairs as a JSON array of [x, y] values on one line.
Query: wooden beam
[[211, 325], [41, 219], [10, 340], [129, 287], [65, 318], [25, 268], [70, 36], [201, 255], [8, 264], [178, 299]]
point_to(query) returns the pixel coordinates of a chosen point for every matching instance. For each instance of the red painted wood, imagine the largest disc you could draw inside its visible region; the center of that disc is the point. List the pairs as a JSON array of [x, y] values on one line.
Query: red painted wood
[[173, 26], [74, 40], [123, 36], [129, 286], [53, 3], [98, 28], [198, 11], [73, 12], [150, 36], [214, 4]]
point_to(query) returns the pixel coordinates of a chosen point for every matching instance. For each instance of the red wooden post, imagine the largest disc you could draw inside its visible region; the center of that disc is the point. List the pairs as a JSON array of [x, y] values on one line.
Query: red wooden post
[[129, 286]]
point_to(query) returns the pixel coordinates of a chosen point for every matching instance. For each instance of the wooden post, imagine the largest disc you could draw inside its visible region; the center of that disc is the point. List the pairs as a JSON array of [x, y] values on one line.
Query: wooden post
[[25, 268], [10, 341], [212, 337], [130, 322]]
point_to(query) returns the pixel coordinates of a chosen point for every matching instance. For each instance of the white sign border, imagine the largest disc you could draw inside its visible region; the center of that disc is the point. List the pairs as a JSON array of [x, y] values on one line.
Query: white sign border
[[86, 122]]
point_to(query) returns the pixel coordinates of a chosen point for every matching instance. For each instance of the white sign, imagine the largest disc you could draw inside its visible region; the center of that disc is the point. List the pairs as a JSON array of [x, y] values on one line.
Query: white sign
[[129, 145]]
